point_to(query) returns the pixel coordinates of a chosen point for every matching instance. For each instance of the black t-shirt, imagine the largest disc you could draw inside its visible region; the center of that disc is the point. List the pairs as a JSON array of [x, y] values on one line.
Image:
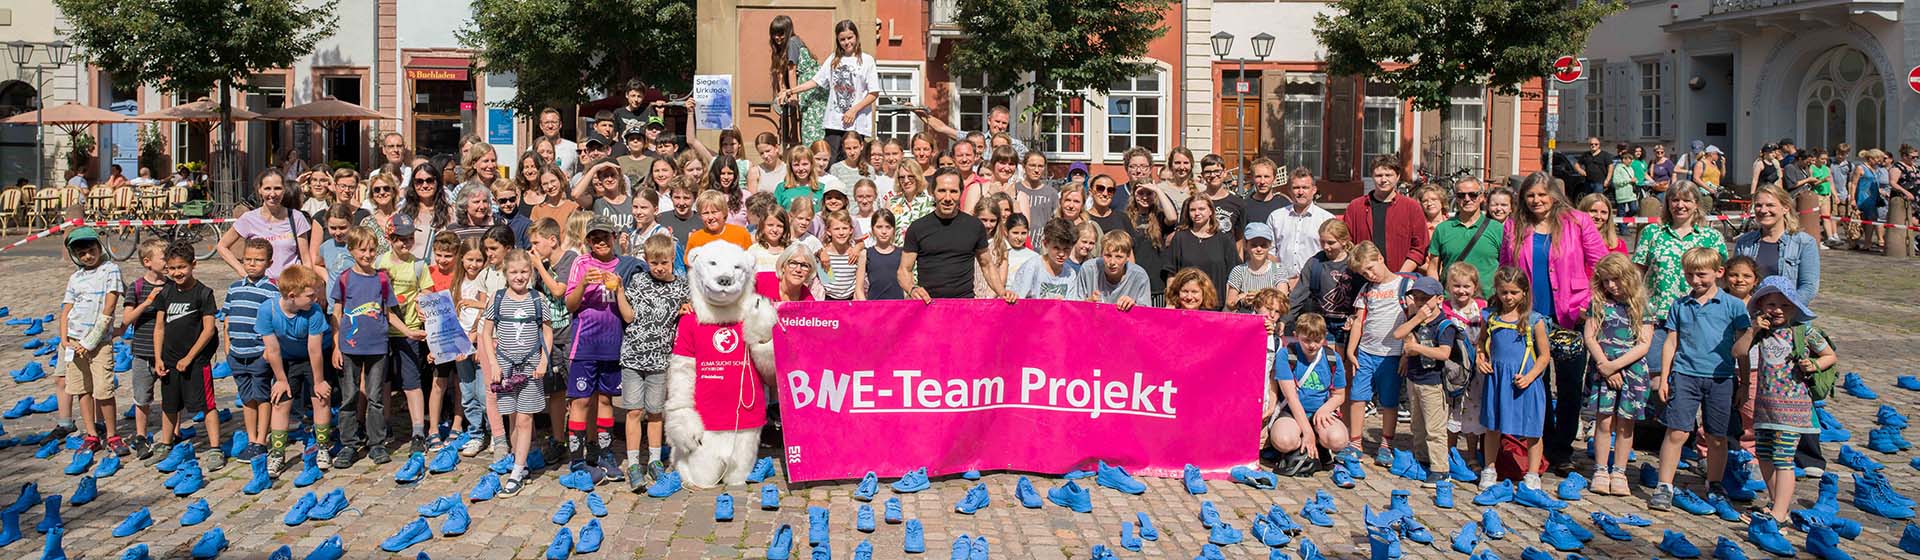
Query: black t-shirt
[[1231, 213], [182, 311], [1215, 255], [1595, 164], [945, 250], [1258, 210], [1114, 221], [1378, 211]]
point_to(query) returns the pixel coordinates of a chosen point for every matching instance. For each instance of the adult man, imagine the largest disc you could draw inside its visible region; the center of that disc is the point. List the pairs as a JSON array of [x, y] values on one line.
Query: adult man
[[1392, 222], [1296, 227], [1788, 153], [1592, 167], [393, 150], [565, 153], [1264, 197], [1469, 236], [998, 119], [945, 245], [1229, 209]]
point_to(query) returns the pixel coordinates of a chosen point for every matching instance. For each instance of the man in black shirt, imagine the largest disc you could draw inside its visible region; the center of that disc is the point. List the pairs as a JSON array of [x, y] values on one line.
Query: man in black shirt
[[945, 245], [1592, 168]]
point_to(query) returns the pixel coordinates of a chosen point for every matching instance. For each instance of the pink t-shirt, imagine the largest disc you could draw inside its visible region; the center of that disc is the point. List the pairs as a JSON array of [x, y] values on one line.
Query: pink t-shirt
[[731, 394], [283, 235], [767, 284]]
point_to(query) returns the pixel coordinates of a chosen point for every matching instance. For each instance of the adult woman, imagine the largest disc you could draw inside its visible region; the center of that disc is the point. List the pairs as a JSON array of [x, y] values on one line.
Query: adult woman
[[1102, 211], [1179, 183], [796, 269], [1150, 229], [290, 232], [1681, 227], [1003, 166], [909, 200], [852, 82], [1707, 172], [1777, 246], [1555, 248], [1871, 183], [1766, 167], [426, 206], [926, 150], [793, 61], [526, 177], [801, 180], [1433, 205], [772, 169], [1200, 244], [383, 192], [1499, 206], [552, 201], [474, 202], [1073, 204], [1622, 180], [480, 164], [1597, 207], [1660, 170]]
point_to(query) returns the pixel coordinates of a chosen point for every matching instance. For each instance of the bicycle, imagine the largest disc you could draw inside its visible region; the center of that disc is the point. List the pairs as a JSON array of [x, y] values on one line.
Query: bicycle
[[122, 241]]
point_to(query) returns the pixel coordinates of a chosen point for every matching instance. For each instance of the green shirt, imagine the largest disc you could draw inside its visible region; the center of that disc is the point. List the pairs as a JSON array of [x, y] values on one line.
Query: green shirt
[[1822, 179], [1659, 251], [784, 194], [1450, 240], [1639, 171]]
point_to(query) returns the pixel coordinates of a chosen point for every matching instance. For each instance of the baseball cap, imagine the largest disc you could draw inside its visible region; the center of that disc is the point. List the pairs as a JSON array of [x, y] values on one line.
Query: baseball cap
[[595, 138], [1713, 149], [633, 131], [1426, 285], [400, 225], [80, 234], [602, 224], [654, 122], [1259, 230]]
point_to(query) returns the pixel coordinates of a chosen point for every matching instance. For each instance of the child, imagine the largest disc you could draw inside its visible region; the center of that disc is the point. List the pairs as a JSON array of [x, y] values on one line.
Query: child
[[553, 257], [409, 277], [645, 203], [768, 243], [1463, 307], [1049, 277], [1192, 290], [877, 278], [1086, 240], [1112, 277], [1617, 331], [476, 402], [1015, 236], [800, 224], [1373, 351], [293, 333], [1743, 275], [517, 327], [139, 313], [1696, 379], [1429, 340], [593, 371], [1270, 305], [1256, 274], [833, 201], [1791, 352], [865, 193], [251, 376], [839, 258], [1325, 285], [361, 297], [1307, 389], [1512, 354], [86, 317], [474, 293], [184, 335], [1741, 278], [681, 221], [653, 301], [334, 252]]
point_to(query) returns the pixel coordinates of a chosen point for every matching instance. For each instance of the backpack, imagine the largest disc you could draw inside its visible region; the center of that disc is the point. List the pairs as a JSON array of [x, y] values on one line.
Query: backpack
[[1457, 372], [539, 313], [1819, 383]]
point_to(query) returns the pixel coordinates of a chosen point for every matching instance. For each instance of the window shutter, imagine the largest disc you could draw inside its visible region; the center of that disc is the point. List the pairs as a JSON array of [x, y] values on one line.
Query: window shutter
[[1622, 92], [1342, 117], [1273, 109], [1668, 118]]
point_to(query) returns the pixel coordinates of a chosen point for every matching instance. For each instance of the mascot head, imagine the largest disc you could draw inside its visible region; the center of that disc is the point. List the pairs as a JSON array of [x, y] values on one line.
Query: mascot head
[[719, 277]]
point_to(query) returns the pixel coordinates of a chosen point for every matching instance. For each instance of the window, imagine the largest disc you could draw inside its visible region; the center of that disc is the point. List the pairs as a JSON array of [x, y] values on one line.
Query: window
[[1596, 100], [1305, 106], [1380, 125], [1843, 100], [974, 104], [1651, 86], [1063, 129], [898, 86], [1465, 124], [1134, 113]]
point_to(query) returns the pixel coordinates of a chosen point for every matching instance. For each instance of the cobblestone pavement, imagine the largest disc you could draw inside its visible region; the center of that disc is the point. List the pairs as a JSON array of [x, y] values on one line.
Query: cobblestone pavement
[[1868, 304]]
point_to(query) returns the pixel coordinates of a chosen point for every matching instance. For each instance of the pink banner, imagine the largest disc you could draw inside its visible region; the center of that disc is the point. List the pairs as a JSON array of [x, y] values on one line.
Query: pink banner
[[1037, 386]]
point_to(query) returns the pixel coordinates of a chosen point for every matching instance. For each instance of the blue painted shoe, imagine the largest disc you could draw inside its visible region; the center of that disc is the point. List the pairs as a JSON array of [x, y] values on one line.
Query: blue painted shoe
[[781, 547], [596, 505], [439, 506], [1458, 469], [1127, 539], [29, 495], [9, 527], [1804, 520], [86, 491], [1405, 465], [978, 550], [562, 545], [915, 540], [961, 544], [212, 543], [1309, 551], [330, 549], [310, 472], [1443, 494], [818, 525], [1531, 553], [1557, 536], [444, 460], [892, 513], [1610, 527], [1340, 476], [52, 548], [1209, 516], [1689, 502], [135, 522], [20, 409], [1491, 526], [1117, 479], [221, 370], [971, 474], [1190, 477], [414, 532], [1256, 478], [35, 328], [976, 499], [1353, 465], [665, 486], [1466, 538], [863, 519], [1727, 549], [1907, 382], [1649, 475], [564, 514], [1223, 534], [1526, 496], [1384, 543], [1910, 539], [412, 471], [47, 450], [1884, 440], [822, 551], [82, 460], [769, 497], [1263, 531], [260, 480], [51, 519], [1857, 387], [762, 470], [458, 519], [1100, 552], [1496, 494], [536, 460], [1890, 417], [502, 466], [1764, 532], [1723, 508], [590, 538], [1824, 544], [1071, 496], [329, 506], [298, 514], [723, 507], [1398, 507], [914, 481], [1147, 531], [181, 454], [577, 480], [141, 551], [197, 513], [486, 489], [1574, 528], [1024, 493], [869, 485], [1571, 488], [1854, 459]]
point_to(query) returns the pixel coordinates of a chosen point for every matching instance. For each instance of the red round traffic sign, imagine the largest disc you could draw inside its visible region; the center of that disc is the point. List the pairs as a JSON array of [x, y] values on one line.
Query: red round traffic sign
[[1567, 69], [1913, 79]]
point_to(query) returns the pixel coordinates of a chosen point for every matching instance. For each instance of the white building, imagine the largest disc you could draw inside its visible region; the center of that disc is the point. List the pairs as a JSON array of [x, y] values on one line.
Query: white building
[[1743, 73]]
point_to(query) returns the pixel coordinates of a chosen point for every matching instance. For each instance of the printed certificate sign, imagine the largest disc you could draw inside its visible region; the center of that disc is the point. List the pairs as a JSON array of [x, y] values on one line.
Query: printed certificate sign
[[713, 96], [893, 386], [445, 338]]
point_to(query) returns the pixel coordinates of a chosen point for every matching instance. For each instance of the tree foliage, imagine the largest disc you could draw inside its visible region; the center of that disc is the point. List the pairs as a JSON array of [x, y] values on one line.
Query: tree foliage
[[194, 45], [564, 51], [1449, 43], [1056, 49]]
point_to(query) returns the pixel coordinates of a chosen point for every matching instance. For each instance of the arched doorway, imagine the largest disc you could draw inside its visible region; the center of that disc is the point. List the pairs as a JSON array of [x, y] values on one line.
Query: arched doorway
[[1842, 99]]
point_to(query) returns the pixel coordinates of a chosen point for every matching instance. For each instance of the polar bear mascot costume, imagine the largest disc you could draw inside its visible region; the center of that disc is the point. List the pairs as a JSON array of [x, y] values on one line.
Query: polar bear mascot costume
[[721, 367]]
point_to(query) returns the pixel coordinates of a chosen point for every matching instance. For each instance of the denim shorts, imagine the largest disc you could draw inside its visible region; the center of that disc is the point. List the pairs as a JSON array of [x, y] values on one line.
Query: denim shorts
[[1696, 399]]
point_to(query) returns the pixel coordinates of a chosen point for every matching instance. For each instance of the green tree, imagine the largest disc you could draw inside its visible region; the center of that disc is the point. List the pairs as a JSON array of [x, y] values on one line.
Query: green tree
[[1056, 49], [196, 45], [563, 51], [1449, 43]]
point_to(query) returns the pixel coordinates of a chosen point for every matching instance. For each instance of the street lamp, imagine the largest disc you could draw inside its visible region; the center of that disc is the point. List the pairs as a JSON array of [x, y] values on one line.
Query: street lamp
[[21, 52], [1262, 48]]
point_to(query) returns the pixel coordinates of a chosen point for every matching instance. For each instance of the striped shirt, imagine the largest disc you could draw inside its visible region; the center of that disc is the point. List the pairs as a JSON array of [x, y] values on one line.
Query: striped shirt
[[138, 291], [242, 306], [516, 327]]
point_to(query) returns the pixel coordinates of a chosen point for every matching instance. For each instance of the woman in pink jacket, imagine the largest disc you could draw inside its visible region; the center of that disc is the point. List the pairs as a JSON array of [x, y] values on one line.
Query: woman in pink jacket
[[1556, 248]]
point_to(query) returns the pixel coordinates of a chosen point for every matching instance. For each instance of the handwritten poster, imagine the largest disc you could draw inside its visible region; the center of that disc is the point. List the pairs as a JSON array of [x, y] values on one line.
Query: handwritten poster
[[445, 338], [713, 94]]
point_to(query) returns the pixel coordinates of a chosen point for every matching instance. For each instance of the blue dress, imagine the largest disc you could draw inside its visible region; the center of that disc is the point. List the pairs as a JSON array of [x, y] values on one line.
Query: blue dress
[[1505, 409]]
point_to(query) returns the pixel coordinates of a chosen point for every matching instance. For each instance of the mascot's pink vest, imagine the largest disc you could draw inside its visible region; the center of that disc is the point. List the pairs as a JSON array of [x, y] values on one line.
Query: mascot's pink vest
[[727, 390]]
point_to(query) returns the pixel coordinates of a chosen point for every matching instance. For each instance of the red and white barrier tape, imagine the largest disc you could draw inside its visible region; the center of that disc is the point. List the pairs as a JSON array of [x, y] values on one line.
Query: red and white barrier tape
[[1656, 219], [49, 231], [1872, 223], [63, 226]]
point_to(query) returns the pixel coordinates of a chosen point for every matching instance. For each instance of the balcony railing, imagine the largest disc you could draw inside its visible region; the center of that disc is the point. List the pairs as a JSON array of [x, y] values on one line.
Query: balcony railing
[[945, 13], [1730, 6]]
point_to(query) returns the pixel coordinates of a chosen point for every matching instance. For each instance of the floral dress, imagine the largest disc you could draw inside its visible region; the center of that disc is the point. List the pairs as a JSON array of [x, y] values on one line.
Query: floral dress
[[1782, 400], [1659, 250], [813, 103], [1616, 335]]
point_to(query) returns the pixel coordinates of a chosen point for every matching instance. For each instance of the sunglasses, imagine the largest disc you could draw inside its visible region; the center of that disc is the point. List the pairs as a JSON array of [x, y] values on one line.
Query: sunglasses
[[507, 199], [1466, 195], [1102, 189], [425, 180], [379, 190]]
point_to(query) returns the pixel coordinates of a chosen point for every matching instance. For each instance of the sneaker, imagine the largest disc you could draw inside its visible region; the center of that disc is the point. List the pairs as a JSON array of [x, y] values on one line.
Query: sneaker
[[1534, 498], [1467, 538], [1024, 493], [118, 447], [379, 455], [1610, 527], [1489, 476], [914, 481], [781, 547], [1571, 488], [915, 541], [1494, 494], [1443, 494], [762, 469], [818, 525], [488, 487], [1209, 516], [1491, 526], [473, 447], [665, 486], [637, 478], [1190, 477], [347, 457], [247, 453], [723, 507], [213, 542], [1824, 544], [1256, 478], [609, 467], [869, 485], [323, 457], [1383, 457], [1910, 539], [1727, 549], [412, 533], [1070, 496], [1557, 536], [1723, 508], [142, 447], [1661, 499], [892, 514], [1117, 479], [1689, 502], [213, 460], [863, 518], [977, 499], [276, 464], [770, 497], [562, 545], [418, 446], [590, 538], [564, 513], [300, 511]]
